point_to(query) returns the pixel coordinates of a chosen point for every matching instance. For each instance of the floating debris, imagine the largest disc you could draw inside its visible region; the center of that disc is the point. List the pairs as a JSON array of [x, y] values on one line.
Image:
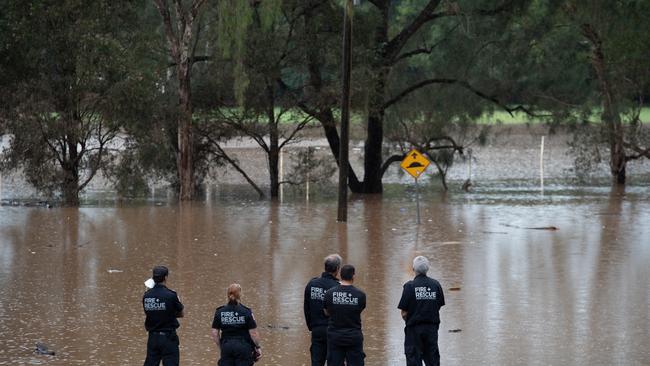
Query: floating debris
[[455, 330], [552, 228], [111, 270], [270, 326], [43, 349], [454, 289]]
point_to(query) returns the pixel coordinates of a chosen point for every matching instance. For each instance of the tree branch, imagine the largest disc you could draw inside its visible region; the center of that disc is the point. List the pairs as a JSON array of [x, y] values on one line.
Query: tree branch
[[390, 161], [163, 9], [640, 152], [398, 42], [465, 85], [234, 164]]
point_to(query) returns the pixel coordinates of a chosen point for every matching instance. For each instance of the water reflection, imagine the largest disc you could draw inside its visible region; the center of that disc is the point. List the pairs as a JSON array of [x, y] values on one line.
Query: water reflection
[[577, 295]]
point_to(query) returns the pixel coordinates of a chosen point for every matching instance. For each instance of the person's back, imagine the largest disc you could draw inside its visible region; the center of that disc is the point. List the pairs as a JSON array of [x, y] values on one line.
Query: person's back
[[344, 304], [162, 307], [429, 298], [315, 299], [234, 331], [314, 303], [420, 304]]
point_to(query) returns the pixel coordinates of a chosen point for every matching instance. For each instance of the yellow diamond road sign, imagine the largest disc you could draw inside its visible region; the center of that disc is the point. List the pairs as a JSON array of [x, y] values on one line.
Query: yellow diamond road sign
[[415, 163]]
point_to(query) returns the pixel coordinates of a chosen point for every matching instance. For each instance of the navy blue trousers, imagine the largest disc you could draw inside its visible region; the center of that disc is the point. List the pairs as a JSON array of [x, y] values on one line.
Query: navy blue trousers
[[318, 347], [421, 345], [236, 352], [162, 346]]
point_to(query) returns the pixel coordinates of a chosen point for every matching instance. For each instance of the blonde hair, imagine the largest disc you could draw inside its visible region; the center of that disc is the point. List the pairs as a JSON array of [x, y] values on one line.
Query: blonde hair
[[234, 293]]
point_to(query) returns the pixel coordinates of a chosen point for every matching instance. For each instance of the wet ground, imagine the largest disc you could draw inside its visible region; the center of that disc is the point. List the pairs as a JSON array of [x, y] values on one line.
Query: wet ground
[[579, 295]]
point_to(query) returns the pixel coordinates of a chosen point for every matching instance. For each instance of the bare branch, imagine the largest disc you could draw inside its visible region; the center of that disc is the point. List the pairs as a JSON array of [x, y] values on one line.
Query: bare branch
[[640, 152], [396, 44], [427, 15], [298, 128], [196, 5], [232, 162], [465, 85], [390, 161], [163, 9]]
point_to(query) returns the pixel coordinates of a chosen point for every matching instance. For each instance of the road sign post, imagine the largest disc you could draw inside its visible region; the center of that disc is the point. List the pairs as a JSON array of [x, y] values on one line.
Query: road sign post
[[415, 164], [417, 200]]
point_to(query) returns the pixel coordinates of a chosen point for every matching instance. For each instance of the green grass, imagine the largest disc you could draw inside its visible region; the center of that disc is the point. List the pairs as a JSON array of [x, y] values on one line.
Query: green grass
[[499, 117], [504, 117]]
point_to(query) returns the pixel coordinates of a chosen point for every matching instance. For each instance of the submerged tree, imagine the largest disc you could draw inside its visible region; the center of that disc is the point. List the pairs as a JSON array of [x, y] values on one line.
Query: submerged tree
[[262, 110], [182, 27], [617, 34], [402, 50], [585, 62], [75, 86]]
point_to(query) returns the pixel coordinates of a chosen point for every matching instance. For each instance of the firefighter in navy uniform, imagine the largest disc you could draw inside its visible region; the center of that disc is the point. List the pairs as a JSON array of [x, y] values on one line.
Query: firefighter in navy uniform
[[234, 330], [313, 307], [344, 304], [420, 304], [162, 308]]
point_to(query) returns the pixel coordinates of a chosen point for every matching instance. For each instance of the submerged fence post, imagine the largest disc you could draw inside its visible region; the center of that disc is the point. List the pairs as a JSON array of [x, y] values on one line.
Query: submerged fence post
[[541, 166], [281, 174], [307, 187], [469, 166]]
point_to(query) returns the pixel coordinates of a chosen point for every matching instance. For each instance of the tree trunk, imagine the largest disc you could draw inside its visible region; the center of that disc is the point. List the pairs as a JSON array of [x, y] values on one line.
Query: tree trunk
[[184, 160], [274, 143], [70, 187], [323, 112], [181, 48], [326, 120], [375, 138], [611, 117], [70, 167]]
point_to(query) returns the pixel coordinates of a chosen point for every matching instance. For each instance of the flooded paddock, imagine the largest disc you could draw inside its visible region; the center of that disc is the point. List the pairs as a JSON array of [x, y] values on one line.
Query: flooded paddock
[[579, 295]]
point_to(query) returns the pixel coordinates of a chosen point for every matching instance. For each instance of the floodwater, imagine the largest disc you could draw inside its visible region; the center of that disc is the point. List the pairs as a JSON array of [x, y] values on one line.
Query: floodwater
[[579, 295]]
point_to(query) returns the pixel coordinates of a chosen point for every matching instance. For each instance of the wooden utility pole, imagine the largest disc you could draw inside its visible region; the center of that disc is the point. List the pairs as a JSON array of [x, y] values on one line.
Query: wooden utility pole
[[345, 114]]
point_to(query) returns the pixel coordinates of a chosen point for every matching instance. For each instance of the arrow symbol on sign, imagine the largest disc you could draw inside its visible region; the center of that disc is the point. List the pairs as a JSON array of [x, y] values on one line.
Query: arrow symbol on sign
[[414, 156]]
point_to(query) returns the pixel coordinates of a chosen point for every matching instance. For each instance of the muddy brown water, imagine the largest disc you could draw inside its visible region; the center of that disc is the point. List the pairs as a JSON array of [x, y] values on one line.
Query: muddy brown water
[[578, 295]]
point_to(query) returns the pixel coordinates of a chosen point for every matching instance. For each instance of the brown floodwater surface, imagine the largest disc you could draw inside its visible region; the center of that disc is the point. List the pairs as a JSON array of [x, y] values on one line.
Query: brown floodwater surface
[[579, 295]]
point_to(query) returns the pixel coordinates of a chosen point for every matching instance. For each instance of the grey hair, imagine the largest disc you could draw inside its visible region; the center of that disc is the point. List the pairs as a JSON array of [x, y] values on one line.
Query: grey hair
[[420, 265], [332, 263]]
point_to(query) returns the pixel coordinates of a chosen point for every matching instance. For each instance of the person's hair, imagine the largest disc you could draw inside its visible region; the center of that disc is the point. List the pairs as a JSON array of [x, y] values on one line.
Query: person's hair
[[420, 265], [160, 274], [234, 294], [347, 272], [159, 279], [332, 263]]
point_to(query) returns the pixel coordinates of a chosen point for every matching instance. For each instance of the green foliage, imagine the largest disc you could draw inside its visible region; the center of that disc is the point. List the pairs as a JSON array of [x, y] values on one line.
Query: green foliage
[[309, 166], [235, 18], [77, 87]]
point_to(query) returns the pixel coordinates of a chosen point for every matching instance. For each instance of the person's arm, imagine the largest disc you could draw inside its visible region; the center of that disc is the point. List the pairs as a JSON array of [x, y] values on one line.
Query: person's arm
[[179, 308], [306, 306], [216, 337], [256, 342], [404, 301], [327, 313]]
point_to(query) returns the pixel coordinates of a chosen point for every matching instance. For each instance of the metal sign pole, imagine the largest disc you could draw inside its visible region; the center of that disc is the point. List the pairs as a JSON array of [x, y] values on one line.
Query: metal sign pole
[[417, 199]]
